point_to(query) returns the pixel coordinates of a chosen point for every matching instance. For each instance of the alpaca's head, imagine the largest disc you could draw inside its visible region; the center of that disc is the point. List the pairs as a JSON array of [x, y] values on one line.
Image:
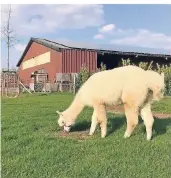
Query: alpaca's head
[[64, 121], [157, 84]]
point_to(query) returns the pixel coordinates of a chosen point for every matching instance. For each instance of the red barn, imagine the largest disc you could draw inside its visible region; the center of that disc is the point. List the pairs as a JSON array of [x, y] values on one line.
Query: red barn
[[53, 58]]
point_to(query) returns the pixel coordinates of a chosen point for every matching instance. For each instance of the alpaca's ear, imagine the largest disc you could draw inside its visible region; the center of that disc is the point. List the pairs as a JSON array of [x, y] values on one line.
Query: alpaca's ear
[[58, 112]]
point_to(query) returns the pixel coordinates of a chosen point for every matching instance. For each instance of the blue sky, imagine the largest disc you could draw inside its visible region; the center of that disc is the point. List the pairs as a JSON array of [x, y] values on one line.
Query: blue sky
[[142, 28]]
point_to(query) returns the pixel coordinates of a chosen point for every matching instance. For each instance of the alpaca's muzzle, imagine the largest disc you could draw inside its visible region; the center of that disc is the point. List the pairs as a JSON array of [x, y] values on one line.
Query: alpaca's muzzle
[[67, 128]]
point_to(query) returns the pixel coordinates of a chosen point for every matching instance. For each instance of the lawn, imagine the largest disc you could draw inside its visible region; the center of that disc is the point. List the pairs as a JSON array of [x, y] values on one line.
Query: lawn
[[32, 148]]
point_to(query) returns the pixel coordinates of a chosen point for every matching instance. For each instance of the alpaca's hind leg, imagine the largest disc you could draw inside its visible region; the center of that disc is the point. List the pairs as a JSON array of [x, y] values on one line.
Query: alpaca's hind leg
[[132, 120], [101, 117], [93, 123], [147, 116]]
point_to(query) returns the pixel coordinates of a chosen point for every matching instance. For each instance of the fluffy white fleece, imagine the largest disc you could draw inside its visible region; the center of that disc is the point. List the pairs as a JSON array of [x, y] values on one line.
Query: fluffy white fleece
[[128, 85]]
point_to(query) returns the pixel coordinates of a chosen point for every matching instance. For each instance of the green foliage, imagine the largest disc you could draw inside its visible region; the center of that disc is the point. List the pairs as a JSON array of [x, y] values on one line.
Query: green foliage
[[143, 65], [82, 76], [85, 74], [102, 67], [126, 62], [146, 65], [167, 72]]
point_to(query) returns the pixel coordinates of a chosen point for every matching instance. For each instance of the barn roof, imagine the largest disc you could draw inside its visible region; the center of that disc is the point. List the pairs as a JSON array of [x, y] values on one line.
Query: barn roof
[[44, 42], [58, 47]]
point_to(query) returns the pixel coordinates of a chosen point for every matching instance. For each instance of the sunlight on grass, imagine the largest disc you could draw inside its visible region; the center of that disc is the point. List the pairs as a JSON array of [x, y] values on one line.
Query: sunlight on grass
[[32, 149]]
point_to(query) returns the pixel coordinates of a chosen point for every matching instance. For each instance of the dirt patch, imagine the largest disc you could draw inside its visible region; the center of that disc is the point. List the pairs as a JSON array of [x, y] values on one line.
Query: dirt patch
[[118, 107], [81, 135], [120, 110], [115, 109], [162, 115]]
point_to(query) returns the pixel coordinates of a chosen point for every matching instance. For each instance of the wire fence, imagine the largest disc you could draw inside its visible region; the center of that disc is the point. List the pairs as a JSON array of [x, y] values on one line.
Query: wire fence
[[49, 87], [10, 84], [53, 87]]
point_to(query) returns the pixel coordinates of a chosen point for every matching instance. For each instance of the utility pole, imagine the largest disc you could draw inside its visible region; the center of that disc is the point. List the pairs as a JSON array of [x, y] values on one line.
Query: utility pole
[[8, 34]]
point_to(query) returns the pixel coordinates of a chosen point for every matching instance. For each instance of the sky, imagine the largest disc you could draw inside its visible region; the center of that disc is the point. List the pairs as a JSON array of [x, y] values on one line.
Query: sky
[[136, 28]]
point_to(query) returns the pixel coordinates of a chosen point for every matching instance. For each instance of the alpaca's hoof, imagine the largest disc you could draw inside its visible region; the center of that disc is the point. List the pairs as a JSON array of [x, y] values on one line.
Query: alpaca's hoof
[[91, 134], [103, 136], [67, 129], [126, 135], [149, 138]]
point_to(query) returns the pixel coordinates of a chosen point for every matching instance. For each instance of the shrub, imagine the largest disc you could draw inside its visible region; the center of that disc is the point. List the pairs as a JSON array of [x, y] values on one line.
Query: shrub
[[102, 67], [84, 74], [167, 71]]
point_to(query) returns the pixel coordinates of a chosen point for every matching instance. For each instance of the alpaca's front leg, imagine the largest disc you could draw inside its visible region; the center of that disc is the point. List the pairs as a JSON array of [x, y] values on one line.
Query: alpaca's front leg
[[101, 116], [93, 123]]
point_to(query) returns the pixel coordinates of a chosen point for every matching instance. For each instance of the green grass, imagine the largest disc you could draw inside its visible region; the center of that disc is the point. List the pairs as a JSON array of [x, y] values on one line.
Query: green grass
[[164, 106], [30, 148]]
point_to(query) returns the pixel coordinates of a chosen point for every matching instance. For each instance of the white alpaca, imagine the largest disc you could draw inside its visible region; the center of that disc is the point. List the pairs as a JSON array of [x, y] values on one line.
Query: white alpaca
[[131, 86]]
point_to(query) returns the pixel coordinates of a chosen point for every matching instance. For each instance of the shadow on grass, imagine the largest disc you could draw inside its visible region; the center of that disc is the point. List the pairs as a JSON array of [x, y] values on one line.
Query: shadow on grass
[[116, 122], [81, 126], [113, 124], [160, 126]]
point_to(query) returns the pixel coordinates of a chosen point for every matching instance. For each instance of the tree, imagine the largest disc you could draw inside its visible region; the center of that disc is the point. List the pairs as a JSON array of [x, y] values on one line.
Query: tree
[[8, 33]]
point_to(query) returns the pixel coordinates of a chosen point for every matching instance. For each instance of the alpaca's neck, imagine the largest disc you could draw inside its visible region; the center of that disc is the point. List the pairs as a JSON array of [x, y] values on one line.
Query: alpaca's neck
[[75, 108]]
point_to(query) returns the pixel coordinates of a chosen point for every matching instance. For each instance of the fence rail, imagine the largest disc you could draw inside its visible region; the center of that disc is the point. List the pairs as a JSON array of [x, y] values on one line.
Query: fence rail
[[52, 87], [10, 84]]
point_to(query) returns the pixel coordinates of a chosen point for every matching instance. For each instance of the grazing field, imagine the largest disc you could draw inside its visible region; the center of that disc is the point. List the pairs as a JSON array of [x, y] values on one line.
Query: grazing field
[[34, 147]]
